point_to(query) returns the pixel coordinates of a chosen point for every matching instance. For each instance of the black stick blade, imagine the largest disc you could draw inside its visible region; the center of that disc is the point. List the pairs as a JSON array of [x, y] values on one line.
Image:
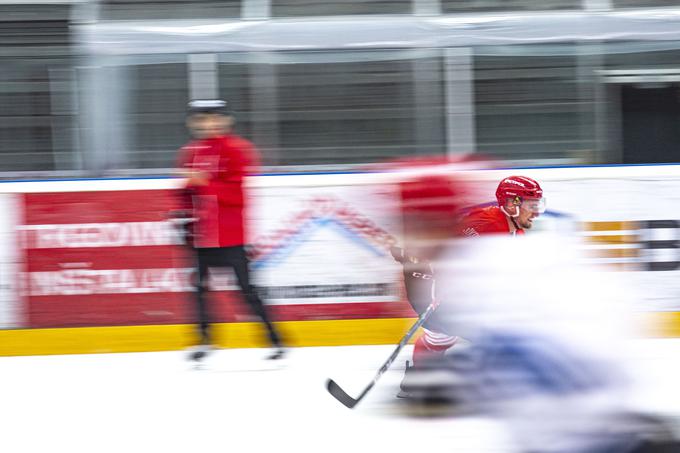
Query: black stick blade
[[339, 394]]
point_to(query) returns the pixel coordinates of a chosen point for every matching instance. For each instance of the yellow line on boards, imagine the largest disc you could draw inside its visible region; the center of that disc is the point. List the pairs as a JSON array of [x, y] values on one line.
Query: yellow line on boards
[[91, 340]]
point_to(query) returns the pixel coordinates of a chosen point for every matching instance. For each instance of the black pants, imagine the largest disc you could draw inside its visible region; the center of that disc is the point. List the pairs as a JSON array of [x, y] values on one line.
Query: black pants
[[235, 258]]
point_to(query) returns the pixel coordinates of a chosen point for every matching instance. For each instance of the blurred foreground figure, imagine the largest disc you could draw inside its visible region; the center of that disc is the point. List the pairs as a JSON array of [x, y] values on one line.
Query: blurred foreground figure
[[546, 346], [215, 165]]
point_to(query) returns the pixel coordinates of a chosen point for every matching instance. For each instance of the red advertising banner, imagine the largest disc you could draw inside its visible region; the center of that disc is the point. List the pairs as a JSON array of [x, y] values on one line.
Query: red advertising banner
[[102, 258], [105, 258]]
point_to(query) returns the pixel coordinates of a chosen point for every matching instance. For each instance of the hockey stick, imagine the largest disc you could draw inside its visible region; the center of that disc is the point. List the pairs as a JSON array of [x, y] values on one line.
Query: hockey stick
[[342, 396]]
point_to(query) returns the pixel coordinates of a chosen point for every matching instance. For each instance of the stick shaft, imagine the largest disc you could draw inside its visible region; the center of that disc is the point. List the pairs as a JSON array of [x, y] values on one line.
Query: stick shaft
[[342, 396]]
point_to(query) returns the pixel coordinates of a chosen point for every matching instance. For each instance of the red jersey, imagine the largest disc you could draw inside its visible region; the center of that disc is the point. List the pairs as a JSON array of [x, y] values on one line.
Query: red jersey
[[219, 205], [489, 220]]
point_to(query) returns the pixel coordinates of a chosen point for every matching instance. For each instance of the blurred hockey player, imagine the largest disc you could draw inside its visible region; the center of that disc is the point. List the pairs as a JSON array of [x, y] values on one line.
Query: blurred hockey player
[[547, 339], [519, 201]]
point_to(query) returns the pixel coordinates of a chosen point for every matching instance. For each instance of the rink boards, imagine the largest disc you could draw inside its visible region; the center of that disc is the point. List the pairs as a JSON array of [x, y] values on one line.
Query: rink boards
[[96, 265]]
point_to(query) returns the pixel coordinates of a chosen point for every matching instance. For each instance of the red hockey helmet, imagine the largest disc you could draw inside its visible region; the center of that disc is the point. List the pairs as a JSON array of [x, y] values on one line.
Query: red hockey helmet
[[520, 189], [429, 204], [432, 198]]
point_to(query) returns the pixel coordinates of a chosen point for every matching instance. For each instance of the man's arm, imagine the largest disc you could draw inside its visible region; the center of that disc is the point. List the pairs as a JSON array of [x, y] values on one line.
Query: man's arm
[[182, 214], [195, 177], [186, 170]]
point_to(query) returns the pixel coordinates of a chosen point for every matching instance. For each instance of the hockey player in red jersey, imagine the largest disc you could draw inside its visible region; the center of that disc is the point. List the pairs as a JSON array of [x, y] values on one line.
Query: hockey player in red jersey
[[519, 201]]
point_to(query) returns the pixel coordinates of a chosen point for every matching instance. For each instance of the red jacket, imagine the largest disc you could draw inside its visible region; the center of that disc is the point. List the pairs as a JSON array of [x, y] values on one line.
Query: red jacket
[[218, 206], [489, 220]]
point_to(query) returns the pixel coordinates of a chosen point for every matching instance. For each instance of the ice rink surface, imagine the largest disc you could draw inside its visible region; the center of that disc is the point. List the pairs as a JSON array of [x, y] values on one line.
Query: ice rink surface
[[239, 402]]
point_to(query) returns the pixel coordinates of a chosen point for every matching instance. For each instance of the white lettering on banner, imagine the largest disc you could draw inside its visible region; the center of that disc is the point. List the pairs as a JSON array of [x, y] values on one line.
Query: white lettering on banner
[[69, 282], [80, 235]]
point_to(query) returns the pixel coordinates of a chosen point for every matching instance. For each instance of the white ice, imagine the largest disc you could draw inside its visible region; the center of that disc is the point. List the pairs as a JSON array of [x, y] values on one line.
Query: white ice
[[238, 402]]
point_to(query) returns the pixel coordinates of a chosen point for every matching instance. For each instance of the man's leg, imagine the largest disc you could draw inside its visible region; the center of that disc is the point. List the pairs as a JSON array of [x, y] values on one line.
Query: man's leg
[[202, 312], [430, 347], [428, 355], [239, 262]]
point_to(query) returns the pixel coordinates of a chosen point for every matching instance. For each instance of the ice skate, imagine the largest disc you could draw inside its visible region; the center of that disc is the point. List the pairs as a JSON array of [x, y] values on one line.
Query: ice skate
[[277, 354], [199, 353], [403, 393]]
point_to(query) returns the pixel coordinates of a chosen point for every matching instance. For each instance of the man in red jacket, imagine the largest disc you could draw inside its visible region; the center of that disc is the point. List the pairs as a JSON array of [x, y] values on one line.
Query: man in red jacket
[[215, 165]]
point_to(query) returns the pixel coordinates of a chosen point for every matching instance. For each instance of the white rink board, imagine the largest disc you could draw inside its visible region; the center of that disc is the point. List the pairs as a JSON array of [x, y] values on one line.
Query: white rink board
[[9, 262], [328, 241], [638, 194], [608, 197], [327, 254]]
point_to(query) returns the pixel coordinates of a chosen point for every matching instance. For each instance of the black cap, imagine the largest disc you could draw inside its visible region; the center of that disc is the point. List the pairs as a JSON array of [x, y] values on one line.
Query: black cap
[[216, 106]]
